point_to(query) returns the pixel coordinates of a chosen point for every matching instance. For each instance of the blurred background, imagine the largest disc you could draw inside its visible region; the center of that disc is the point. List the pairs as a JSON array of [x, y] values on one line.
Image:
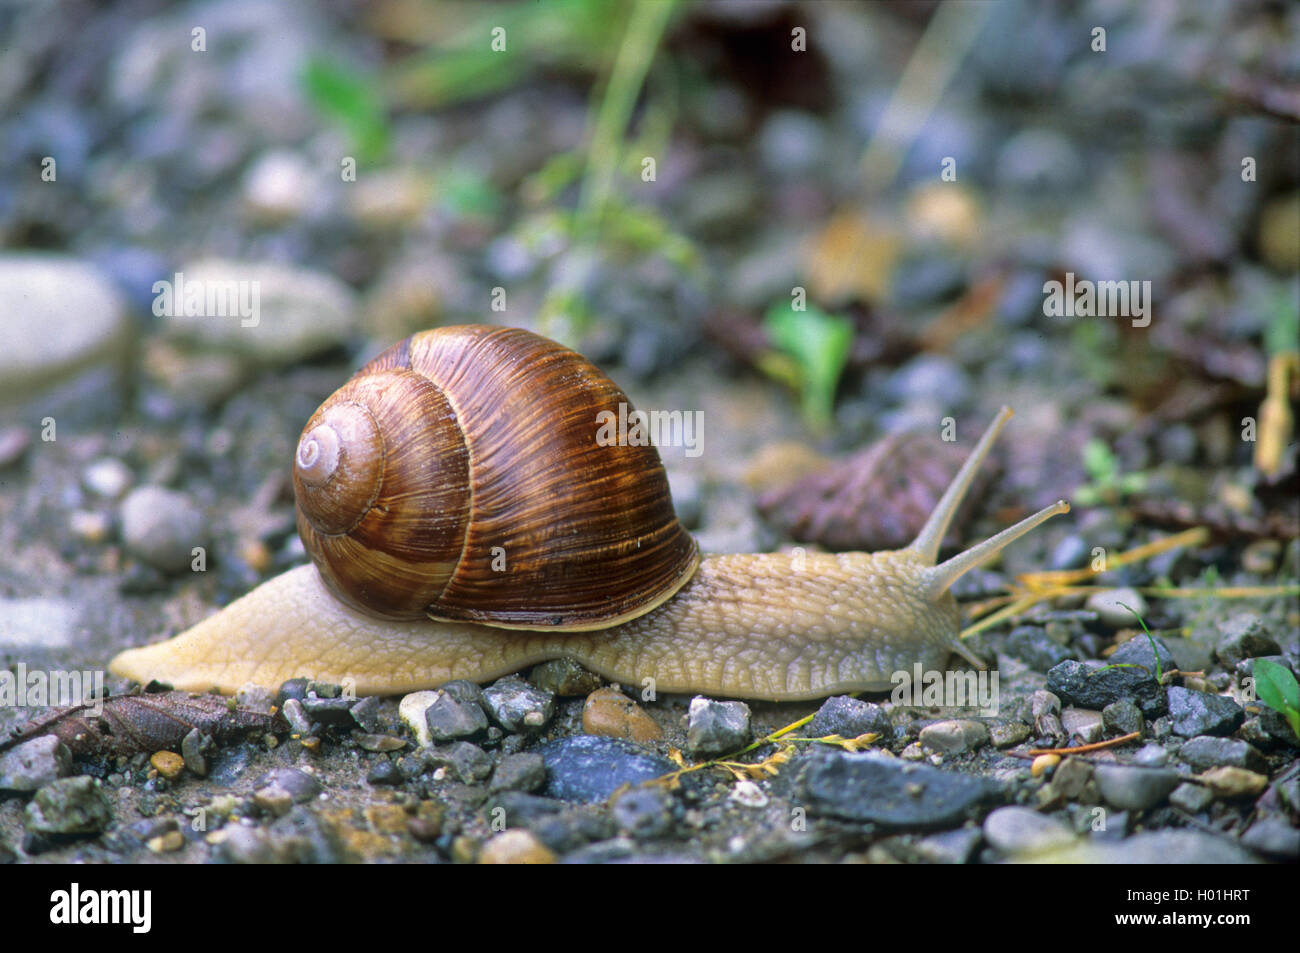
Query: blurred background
[[826, 225]]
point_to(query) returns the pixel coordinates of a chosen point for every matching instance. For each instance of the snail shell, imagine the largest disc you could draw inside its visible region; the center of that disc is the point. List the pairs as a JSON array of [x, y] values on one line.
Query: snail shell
[[457, 477]]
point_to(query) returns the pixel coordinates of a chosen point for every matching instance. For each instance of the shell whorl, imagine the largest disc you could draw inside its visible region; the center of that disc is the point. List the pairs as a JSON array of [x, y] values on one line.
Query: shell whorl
[[458, 476]]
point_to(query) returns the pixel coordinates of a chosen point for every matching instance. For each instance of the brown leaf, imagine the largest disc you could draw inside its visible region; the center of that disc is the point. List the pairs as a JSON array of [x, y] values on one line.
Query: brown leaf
[[130, 724], [877, 499]]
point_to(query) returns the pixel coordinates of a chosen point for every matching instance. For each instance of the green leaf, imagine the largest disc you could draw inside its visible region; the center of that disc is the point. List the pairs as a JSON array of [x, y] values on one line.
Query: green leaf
[[353, 99], [1099, 462], [1277, 688], [819, 345]]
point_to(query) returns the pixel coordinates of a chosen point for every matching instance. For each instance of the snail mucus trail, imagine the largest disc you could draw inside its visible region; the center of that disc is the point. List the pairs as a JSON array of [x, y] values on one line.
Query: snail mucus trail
[[636, 602]]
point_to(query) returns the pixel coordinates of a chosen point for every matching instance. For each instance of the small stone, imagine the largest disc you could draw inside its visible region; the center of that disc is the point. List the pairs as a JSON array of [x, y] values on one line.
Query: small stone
[[525, 772], [1082, 723], [380, 743], [193, 747], [284, 787], [255, 698], [293, 688], [1110, 605], [107, 478], [1131, 788], [34, 764], [517, 706], [1132, 676], [470, 762], [298, 721], [1071, 778], [162, 527], [168, 764], [384, 772], [1151, 756], [1008, 733], [1192, 798], [515, 847], [644, 813], [69, 806], [1198, 713], [610, 713], [714, 728], [589, 769], [1043, 763], [1272, 835], [166, 843], [1205, 751], [449, 718], [1022, 831], [849, 718], [1123, 717], [1245, 636], [329, 711], [411, 709], [748, 794], [956, 736], [1228, 783], [89, 526], [950, 847], [564, 677], [374, 716], [1033, 646]]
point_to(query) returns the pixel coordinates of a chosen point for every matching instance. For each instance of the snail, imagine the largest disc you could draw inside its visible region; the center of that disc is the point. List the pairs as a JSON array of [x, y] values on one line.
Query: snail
[[464, 523]]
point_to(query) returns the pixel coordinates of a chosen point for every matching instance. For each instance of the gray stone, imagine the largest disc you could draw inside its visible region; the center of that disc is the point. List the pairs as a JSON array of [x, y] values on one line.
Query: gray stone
[[1110, 605], [950, 847], [374, 716], [1245, 636], [1130, 788], [69, 806], [525, 772], [162, 527], [34, 764], [1151, 756], [1179, 847], [329, 711], [282, 788], [644, 813], [715, 728], [1132, 676], [61, 317], [449, 718], [1082, 723], [1071, 777], [874, 788], [956, 736], [1274, 836], [1205, 751], [517, 706], [1004, 734], [1192, 798], [1020, 831], [108, 478], [1123, 717], [1199, 713], [589, 768], [849, 718], [298, 312], [298, 721], [1033, 646], [469, 762], [194, 746]]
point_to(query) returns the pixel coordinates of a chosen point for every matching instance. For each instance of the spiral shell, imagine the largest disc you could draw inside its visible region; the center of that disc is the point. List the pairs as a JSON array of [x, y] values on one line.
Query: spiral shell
[[457, 476]]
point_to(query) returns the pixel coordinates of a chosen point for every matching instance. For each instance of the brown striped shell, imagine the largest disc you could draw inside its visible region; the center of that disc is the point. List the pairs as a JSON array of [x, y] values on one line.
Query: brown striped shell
[[457, 476]]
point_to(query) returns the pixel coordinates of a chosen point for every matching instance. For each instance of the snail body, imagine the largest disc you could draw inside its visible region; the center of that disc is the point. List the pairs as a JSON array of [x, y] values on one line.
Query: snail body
[[619, 585]]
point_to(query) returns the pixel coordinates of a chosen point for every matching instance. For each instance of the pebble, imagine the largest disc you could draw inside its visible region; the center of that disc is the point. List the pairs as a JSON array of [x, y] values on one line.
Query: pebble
[[1043, 763], [1228, 783], [1109, 606], [69, 806], [450, 718], [278, 187], [378, 743], [166, 843], [1199, 713], [61, 315], [1082, 723], [168, 764], [298, 721], [1151, 756], [644, 813], [298, 313], [849, 718], [1274, 836], [239, 844], [1033, 646], [374, 716], [564, 677], [1004, 734], [1131, 788], [1176, 847], [950, 847], [293, 688], [1192, 798], [384, 772], [1245, 636], [954, 737], [107, 478], [517, 706], [589, 769], [469, 762], [1071, 778], [873, 787], [1087, 685], [1123, 717], [610, 713], [1206, 751], [515, 847], [749, 794], [411, 709], [34, 764], [329, 711], [714, 728], [284, 787], [162, 527], [524, 772], [255, 698], [1020, 831]]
